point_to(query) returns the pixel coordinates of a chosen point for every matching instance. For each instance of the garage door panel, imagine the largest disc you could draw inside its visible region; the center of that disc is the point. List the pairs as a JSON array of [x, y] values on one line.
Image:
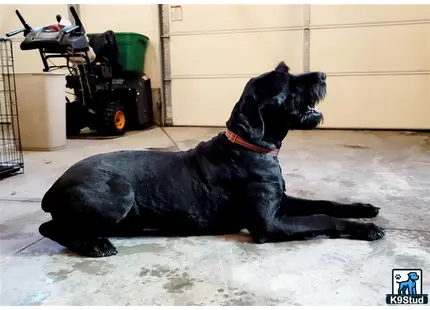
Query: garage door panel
[[353, 14], [386, 101], [205, 102], [235, 54], [406, 48], [203, 18]]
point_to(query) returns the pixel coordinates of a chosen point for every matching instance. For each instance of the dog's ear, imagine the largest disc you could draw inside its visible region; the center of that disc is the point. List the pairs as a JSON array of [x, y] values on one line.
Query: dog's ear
[[282, 67], [258, 90], [247, 117], [269, 85]]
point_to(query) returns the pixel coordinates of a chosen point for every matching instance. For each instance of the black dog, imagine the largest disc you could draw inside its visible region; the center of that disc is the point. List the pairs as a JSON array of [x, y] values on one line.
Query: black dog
[[222, 186]]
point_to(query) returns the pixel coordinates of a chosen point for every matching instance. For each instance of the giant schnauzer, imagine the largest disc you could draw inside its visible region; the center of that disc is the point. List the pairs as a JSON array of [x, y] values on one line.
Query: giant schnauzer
[[222, 186]]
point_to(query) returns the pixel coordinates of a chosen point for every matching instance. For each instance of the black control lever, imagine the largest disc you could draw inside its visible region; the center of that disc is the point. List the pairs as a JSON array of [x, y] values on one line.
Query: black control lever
[[27, 28], [77, 19], [58, 17]]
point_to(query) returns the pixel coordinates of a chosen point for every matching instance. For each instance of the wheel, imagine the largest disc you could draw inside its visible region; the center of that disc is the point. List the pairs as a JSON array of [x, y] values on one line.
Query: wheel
[[114, 119], [73, 118]]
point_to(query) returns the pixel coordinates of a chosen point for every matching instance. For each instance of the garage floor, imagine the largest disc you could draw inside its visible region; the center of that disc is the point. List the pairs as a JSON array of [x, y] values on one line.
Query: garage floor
[[390, 170]]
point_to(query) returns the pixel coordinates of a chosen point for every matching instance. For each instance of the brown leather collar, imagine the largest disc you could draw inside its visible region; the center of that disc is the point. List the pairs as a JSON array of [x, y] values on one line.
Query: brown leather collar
[[234, 138]]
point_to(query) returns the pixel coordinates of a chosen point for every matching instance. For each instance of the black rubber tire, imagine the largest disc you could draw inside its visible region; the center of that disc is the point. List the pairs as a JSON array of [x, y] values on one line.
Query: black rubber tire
[[108, 122], [73, 118]]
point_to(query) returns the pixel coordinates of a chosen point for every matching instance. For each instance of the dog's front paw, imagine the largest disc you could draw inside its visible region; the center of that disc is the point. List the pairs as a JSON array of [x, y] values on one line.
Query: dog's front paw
[[375, 232], [369, 232], [365, 210]]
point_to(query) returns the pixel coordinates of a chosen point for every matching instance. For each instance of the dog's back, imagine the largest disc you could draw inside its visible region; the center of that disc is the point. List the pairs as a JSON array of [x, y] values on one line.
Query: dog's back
[[194, 188]]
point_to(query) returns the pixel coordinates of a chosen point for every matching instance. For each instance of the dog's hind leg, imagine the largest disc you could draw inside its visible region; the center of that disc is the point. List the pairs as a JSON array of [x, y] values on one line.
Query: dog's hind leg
[[83, 245], [293, 206], [87, 216], [285, 228]]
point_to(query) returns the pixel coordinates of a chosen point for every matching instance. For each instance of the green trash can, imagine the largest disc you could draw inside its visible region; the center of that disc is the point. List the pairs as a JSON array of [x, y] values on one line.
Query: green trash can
[[132, 49]]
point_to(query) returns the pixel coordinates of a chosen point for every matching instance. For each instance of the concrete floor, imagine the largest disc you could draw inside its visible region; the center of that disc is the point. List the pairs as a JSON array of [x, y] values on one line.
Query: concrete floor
[[390, 170]]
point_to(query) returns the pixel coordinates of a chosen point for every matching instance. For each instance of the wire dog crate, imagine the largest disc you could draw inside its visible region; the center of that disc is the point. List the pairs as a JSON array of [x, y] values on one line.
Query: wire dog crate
[[11, 157]]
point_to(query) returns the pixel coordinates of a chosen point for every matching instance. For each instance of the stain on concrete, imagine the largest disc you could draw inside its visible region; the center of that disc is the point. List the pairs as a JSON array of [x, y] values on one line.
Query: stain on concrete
[[59, 275], [239, 298], [32, 300], [347, 183], [3, 228], [241, 293], [293, 175], [355, 146], [140, 248], [409, 261], [94, 267], [158, 271], [301, 193], [250, 250], [426, 144], [238, 302], [191, 304], [180, 284]]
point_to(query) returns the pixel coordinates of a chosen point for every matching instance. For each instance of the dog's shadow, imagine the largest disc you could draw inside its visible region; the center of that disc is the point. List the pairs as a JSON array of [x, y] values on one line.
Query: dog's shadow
[[47, 247], [240, 237]]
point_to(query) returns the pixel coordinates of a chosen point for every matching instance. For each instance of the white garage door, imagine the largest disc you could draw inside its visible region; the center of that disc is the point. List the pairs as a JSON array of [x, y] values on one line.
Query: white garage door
[[377, 59], [215, 49], [378, 62]]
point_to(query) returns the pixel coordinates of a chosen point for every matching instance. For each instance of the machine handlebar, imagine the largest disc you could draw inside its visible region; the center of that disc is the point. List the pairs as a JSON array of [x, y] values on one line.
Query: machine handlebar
[[27, 28], [69, 29], [15, 32]]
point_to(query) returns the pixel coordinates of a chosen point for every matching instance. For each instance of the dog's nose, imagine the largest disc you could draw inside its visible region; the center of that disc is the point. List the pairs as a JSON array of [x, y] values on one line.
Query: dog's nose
[[322, 76]]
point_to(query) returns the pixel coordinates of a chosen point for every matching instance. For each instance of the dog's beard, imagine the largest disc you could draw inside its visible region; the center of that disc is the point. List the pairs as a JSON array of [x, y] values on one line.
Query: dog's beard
[[306, 114], [316, 95]]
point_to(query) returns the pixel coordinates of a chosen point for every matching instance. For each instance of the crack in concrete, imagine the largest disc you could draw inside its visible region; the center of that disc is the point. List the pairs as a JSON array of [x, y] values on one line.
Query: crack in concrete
[[29, 200], [171, 139], [27, 246]]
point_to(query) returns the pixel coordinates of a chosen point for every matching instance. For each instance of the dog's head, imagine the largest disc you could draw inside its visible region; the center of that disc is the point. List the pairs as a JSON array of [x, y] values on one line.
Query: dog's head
[[275, 102], [413, 276]]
